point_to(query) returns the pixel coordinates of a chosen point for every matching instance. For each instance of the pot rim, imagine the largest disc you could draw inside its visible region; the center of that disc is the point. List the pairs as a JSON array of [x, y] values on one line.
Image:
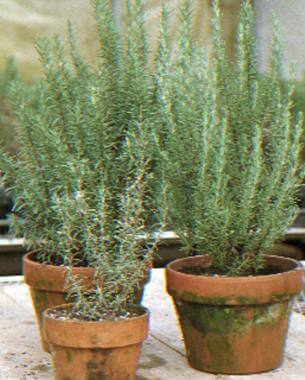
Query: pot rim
[[95, 334], [69, 305], [172, 264], [244, 290], [30, 258], [51, 277]]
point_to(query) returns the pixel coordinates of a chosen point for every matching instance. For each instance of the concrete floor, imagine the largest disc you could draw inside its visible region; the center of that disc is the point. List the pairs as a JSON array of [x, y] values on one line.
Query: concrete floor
[[163, 356]]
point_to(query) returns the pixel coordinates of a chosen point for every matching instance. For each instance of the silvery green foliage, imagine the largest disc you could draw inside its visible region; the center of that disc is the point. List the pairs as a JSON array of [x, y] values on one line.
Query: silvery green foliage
[[81, 174], [230, 155], [9, 73]]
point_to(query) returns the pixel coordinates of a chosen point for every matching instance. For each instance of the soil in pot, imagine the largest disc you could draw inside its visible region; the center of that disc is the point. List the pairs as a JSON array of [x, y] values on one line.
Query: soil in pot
[[108, 349], [48, 286], [234, 325]]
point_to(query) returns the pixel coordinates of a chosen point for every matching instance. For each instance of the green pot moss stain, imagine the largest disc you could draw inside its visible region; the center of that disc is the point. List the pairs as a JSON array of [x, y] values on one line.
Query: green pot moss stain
[[96, 368], [243, 300], [271, 314], [219, 326], [213, 323], [45, 284], [213, 319], [44, 299], [194, 298], [41, 299], [280, 297], [69, 356], [229, 300]]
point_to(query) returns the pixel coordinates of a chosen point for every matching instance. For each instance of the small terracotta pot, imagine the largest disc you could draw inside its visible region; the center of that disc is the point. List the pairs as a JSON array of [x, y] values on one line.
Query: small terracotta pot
[[234, 325], [95, 350], [48, 286]]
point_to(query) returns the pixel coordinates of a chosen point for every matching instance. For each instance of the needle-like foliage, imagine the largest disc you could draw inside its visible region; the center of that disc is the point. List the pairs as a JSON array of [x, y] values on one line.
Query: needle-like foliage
[[80, 177], [8, 75], [230, 158]]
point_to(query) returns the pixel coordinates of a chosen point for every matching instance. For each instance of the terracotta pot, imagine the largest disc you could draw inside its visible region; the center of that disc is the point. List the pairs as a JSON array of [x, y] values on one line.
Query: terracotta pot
[[48, 286], [95, 350], [234, 325]]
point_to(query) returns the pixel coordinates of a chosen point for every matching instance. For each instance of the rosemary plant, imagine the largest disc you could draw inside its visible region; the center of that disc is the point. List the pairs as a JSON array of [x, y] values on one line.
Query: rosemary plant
[[80, 177], [8, 75], [230, 156]]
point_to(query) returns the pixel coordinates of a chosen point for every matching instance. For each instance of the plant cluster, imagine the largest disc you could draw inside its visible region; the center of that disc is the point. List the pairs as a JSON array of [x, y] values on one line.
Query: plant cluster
[[80, 177], [230, 158], [211, 147]]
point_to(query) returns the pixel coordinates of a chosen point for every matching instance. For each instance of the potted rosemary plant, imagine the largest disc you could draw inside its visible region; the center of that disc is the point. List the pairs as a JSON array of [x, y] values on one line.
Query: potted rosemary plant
[[230, 164], [100, 334], [70, 149]]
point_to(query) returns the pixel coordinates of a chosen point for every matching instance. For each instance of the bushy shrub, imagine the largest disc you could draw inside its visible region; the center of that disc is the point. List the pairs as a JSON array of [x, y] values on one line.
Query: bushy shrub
[[230, 156], [80, 176]]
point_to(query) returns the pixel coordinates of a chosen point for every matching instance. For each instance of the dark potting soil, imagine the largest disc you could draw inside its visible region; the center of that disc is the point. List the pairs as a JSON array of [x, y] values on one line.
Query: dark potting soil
[[68, 315], [58, 261], [214, 272]]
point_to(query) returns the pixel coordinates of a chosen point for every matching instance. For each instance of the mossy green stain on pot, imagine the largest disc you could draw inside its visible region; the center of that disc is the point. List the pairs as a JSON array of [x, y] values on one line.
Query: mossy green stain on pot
[[281, 297], [69, 356], [194, 298], [44, 283], [44, 299], [213, 319], [228, 300], [210, 323], [213, 332], [270, 314], [41, 298]]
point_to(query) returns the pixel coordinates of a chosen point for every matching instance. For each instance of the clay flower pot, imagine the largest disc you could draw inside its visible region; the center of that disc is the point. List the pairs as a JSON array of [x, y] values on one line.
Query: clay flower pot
[[234, 325], [95, 350], [48, 286]]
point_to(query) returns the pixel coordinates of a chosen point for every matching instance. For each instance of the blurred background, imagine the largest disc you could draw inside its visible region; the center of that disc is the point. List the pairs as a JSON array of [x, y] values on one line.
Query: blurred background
[[21, 21]]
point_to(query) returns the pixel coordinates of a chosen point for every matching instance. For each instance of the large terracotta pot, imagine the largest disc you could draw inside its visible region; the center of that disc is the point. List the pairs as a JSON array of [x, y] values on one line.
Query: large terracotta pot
[[48, 286], [234, 325], [95, 350]]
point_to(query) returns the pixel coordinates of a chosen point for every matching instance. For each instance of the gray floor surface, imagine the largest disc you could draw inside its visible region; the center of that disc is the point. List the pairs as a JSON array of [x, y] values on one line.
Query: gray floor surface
[[163, 355]]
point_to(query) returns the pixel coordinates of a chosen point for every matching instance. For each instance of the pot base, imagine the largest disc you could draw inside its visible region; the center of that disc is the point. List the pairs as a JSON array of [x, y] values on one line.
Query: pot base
[[220, 338], [92, 364]]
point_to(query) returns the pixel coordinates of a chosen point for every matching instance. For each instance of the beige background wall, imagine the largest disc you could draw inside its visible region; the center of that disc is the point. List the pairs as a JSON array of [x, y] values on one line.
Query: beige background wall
[[291, 15], [23, 20]]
